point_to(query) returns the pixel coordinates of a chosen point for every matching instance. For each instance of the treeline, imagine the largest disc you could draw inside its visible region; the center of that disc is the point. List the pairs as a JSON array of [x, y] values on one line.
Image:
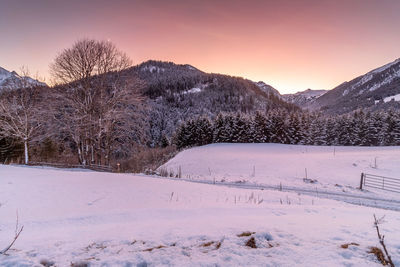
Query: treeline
[[279, 126]]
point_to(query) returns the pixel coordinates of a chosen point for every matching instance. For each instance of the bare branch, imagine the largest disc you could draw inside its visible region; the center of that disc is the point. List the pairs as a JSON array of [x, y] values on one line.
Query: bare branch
[[18, 231], [382, 239]]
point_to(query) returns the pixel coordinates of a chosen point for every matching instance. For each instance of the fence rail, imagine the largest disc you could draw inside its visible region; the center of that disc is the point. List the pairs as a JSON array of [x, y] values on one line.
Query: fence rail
[[94, 167], [380, 182]]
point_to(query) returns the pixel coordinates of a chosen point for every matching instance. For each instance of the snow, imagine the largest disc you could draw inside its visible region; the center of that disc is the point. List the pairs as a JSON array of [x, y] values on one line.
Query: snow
[[199, 88], [390, 98], [368, 76], [153, 69], [116, 219], [312, 93], [191, 67], [387, 80], [193, 90], [12, 79], [4, 74], [385, 67], [274, 164]]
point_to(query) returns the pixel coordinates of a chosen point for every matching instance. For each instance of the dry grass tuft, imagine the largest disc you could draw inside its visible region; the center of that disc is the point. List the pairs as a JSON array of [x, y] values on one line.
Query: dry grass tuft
[[207, 244], [251, 243], [47, 263], [151, 249], [349, 244], [246, 234], [217, 244], [80, 264], [379, 255]]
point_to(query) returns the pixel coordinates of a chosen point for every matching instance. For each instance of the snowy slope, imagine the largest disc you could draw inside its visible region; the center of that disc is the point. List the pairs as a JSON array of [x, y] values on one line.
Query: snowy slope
[[304, 98], [365, 91], [335, 169], [11, 80], [129, 220]]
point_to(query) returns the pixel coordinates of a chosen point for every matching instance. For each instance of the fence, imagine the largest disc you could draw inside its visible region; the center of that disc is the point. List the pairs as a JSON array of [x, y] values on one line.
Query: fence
[[94, 167], [380, 182]]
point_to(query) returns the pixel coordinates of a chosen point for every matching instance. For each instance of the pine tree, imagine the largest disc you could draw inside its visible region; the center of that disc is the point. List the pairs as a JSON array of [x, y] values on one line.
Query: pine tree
[[260, 131], [293, 129]]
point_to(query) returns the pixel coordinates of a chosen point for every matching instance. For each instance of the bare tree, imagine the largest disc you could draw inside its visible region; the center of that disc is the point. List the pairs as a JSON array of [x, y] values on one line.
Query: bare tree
[[20, 116], [97, 103]]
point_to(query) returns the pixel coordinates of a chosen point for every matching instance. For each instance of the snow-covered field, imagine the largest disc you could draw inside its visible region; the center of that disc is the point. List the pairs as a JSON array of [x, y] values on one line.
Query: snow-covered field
[[335, 168], [136, 220]]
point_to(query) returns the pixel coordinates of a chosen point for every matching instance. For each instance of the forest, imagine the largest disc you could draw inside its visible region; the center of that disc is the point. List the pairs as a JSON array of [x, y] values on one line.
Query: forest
[[279, 126]]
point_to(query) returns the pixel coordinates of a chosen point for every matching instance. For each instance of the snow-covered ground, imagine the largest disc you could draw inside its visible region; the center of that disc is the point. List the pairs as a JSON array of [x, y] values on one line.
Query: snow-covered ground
[[136, 220], [331, 168], [390, 98]]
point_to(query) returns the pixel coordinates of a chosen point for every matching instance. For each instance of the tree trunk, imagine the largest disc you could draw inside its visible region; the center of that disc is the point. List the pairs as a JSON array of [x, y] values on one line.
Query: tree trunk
[[26, 152]]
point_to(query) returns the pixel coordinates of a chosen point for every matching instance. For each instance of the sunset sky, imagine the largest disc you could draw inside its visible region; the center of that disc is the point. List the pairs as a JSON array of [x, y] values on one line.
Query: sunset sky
[[291, 45]]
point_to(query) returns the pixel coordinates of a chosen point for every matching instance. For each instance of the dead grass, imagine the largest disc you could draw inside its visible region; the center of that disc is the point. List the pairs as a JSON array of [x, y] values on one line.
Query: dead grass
[[95, 246], [246, 234], [207, 244], [151, 249], [349, 244], [379, 255], [251, 243], [47, 263], [80, 264], [217, 244], [147, 159]]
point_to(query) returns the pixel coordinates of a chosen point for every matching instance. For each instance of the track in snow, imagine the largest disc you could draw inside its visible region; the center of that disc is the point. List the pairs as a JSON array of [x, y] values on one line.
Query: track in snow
[[362, 200]]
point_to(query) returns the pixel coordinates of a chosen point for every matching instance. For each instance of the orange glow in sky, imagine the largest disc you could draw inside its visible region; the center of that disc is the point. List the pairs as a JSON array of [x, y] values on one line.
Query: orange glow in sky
[[291, 45]]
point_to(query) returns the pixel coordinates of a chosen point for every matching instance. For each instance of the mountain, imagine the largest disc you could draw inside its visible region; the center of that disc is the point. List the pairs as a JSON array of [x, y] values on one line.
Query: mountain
[[378, 89], [11, 80], [304, 98], [175, 93], [268, 88]]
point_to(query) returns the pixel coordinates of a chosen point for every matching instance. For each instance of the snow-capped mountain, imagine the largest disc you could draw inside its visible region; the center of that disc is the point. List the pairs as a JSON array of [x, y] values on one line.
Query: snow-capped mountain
[[377, 89], [11, 80], [303, 98]]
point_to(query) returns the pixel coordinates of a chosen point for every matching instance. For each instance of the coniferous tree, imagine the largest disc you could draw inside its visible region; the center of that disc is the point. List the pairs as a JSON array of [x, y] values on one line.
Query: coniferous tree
[[260, 131]]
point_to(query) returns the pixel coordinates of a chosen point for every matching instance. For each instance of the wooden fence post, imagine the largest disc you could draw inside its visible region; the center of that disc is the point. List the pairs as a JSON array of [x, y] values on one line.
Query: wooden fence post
[[361, 180]]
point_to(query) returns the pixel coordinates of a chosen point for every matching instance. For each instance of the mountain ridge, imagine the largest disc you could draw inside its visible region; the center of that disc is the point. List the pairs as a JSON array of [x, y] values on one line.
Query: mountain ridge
[[12, 80], [367, 91]]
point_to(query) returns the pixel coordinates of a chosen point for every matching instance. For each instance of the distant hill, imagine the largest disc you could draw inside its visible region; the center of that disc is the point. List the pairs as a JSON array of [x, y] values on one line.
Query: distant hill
[[11, 80], [378, 89], [176, 93], [304, 98]]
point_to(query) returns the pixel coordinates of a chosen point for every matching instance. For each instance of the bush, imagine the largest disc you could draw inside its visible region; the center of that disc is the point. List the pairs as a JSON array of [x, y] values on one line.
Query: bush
[[148, 159]]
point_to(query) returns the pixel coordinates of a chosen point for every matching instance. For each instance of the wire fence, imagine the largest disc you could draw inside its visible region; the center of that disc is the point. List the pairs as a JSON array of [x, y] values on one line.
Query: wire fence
[[94, 167], [380, 182]]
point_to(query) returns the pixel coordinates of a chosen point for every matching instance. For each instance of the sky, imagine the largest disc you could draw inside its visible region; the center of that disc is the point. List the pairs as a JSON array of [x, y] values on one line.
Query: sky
[[291, 45]]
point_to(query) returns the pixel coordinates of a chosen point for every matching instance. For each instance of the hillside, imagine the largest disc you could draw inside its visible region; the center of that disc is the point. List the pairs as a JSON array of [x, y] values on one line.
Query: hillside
[[175, 93], [304, 98], [268, 88], [335, 169], [373, 90]]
